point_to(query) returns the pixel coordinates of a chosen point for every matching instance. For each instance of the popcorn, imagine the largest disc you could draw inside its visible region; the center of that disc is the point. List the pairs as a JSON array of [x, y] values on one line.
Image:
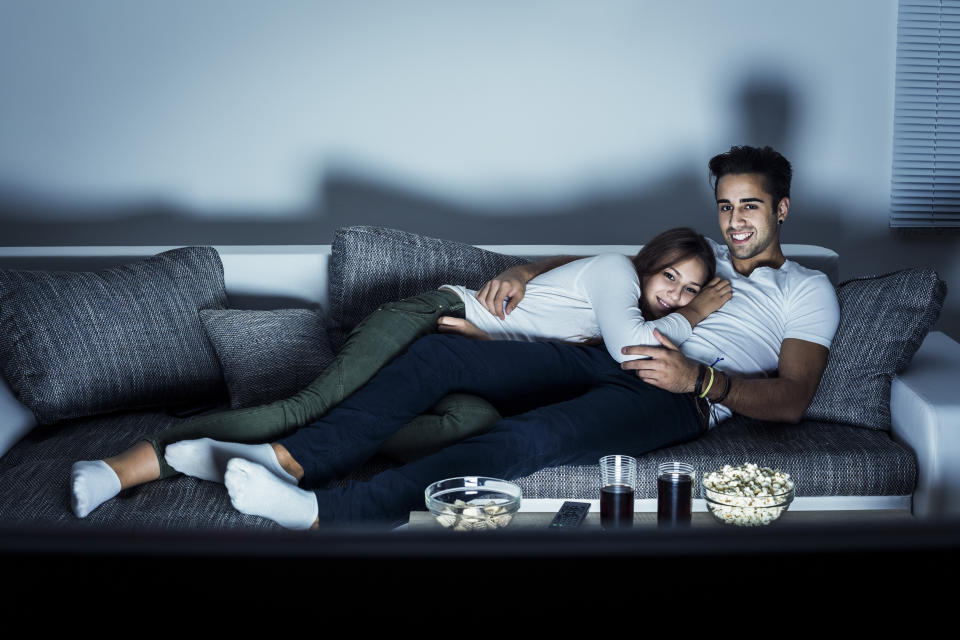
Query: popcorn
[[748, 495]]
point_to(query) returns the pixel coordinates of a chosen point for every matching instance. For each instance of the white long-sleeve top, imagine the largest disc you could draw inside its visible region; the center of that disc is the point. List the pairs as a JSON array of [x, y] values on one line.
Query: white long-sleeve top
[[584, 299]]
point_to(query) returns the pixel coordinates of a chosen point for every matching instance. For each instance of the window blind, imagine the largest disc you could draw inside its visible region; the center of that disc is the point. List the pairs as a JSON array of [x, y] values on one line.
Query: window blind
[[926, 138]]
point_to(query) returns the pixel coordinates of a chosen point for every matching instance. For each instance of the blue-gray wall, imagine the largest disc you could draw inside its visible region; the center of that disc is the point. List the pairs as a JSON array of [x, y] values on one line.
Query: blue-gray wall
[[125, 122]]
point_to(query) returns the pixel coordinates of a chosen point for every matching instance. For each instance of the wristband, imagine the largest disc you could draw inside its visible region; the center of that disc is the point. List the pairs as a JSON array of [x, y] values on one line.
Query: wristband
[[702, 373], [726, 389], [709, 384]]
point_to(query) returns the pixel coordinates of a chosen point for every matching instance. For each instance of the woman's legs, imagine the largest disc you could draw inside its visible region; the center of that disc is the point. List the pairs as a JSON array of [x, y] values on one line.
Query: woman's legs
[[374, 342], [456, 417], [380, 338]]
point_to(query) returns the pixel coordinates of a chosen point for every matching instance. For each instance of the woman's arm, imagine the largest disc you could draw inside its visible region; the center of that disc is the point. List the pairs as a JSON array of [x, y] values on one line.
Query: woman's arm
[[711, 297], [611, 285], [462, 327]]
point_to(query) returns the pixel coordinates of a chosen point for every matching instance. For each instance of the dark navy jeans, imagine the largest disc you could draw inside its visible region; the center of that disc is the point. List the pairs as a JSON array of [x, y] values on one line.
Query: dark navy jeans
[[607, 410]]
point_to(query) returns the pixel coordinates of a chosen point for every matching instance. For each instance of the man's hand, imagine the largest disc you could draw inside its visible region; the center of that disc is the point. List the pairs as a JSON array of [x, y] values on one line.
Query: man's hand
[[449, 324], [507, 287], [665, 367], [783, 398]]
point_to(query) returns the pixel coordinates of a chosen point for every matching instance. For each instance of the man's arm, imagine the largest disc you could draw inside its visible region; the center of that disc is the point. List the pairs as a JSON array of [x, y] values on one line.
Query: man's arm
[[512, 283], [780, 399]]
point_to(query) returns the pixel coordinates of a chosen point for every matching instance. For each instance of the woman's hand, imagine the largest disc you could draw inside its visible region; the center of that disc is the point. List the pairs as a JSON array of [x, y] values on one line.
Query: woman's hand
[[459, 326], [711, 297]]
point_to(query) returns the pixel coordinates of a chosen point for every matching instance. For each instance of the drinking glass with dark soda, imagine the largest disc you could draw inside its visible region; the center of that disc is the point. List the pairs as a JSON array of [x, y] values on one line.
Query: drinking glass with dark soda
[[674, 494], [618, 481]]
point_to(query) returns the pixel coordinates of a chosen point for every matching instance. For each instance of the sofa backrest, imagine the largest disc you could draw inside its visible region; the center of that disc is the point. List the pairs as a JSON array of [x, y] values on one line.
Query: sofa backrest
[[283, 276]]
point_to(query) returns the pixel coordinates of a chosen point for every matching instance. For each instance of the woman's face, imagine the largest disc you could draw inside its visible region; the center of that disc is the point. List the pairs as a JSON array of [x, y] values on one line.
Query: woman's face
[[674, 286]]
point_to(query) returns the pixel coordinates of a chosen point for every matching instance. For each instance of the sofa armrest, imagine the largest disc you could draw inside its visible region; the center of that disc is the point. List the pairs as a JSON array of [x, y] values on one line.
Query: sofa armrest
[[925, 411], [15, 419]]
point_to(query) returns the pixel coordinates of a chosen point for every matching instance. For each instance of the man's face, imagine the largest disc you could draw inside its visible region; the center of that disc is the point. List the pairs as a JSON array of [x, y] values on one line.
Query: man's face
[[748, 216]]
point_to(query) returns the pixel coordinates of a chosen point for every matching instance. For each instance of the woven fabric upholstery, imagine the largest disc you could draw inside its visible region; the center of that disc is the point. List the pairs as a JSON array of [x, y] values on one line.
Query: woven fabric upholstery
[[82, 343], [34, 481], [883, 321], [373, 265], [823, 459], [267, 355]]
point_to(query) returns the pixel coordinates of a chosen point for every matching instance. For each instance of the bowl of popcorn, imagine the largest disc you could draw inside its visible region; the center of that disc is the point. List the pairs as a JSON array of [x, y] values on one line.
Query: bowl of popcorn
[[747, 495], [473, 503]]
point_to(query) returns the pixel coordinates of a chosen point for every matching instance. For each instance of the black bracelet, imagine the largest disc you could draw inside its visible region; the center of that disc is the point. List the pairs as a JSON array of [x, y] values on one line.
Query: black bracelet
[[726, 389], [698, 388]]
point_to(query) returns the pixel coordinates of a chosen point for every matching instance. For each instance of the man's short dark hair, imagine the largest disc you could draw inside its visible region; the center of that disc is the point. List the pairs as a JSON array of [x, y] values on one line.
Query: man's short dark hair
[[774, 168]]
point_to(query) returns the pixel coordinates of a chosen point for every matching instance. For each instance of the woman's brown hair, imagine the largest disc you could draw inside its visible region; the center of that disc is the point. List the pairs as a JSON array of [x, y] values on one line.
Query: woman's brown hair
[[670, 247]]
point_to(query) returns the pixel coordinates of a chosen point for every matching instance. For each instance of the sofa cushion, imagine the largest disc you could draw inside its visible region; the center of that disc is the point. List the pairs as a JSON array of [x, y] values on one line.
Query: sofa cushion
[[373, 265], [34, 486], [82, 343], [824, 459], [883, 321], [267, 355]]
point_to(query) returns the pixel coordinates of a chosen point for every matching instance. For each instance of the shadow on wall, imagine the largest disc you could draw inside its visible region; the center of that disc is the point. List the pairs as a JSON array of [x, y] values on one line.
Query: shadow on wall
[[347, 198], [766, 113]]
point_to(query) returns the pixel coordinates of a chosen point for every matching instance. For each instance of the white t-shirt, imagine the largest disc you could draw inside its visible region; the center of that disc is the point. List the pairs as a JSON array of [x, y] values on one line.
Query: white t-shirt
[[587, 298], [745, 334]]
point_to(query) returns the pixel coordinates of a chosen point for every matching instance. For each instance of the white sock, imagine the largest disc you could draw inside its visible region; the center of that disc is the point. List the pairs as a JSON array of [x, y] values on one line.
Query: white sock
[[255, 491], [92, 482], [207, 458]]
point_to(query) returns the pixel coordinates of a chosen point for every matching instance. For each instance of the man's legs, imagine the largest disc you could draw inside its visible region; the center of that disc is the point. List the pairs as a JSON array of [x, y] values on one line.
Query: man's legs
[[625, 416], [430, 369], [617, 413]]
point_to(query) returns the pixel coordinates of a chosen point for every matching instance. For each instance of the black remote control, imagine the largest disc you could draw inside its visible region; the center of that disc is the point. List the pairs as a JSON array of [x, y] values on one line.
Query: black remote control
[[570, 516]]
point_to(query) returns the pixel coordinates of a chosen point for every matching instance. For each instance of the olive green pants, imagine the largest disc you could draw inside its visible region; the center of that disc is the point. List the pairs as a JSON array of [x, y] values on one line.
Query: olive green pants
[[382, 336]]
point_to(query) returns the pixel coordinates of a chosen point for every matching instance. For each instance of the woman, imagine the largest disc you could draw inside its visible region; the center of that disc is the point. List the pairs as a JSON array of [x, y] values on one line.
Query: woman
[[589, 299]]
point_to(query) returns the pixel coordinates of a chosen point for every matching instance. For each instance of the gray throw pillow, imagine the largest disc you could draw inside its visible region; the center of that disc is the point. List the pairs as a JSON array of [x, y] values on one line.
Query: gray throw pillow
[[373, 265], [267, 355], [883, 321], [75, 344]]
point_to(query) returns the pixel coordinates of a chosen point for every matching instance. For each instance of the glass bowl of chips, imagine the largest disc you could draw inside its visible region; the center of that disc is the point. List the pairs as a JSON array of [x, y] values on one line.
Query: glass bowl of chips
[[473, 503]]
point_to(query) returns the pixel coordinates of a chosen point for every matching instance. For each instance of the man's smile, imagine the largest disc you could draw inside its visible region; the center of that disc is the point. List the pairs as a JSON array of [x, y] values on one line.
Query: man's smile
[[740, 237]]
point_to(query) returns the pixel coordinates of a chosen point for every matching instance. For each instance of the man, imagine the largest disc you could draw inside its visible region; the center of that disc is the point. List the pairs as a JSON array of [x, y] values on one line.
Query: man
[[771, 340], [766, 347]]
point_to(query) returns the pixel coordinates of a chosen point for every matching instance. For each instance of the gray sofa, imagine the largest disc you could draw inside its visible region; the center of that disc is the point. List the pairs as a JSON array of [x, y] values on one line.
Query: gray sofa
[[904, 459]]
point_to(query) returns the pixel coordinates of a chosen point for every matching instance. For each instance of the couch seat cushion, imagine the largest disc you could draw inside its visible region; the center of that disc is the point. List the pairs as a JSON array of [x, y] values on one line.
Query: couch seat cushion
[[34, 479], [824, 459]]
